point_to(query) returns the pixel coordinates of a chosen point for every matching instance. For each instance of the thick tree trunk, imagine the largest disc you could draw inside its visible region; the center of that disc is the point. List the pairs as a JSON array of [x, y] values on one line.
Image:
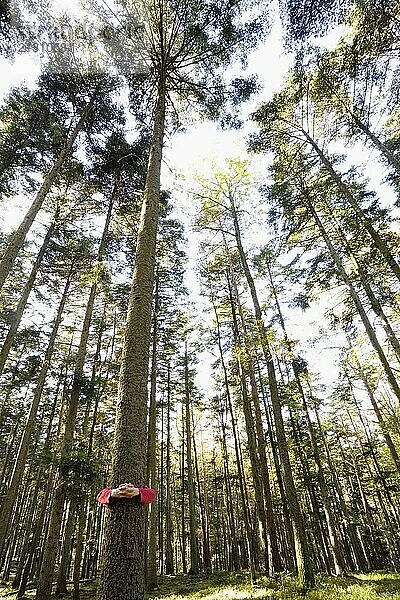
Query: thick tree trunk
[[123, 571]]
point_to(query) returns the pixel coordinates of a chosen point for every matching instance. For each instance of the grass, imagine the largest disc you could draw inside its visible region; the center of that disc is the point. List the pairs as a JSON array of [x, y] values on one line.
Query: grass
[[236, 586]]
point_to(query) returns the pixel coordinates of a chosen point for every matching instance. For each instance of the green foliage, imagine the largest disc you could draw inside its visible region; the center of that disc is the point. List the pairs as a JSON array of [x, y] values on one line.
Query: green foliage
[[78, 470]]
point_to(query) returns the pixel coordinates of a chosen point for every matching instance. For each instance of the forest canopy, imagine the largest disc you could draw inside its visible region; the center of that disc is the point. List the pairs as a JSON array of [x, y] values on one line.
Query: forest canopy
[[199, 293]]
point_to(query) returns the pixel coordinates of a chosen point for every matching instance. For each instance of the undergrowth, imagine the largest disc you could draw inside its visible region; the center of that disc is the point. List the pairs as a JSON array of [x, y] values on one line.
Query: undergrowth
[[237, 586]]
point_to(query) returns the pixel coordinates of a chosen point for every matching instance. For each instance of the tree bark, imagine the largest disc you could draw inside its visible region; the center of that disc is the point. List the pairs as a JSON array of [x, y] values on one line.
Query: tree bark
[[16, 320], [123, 571], [20, 234], [43, 591], [304, 565], [379, 242], [19, 466]]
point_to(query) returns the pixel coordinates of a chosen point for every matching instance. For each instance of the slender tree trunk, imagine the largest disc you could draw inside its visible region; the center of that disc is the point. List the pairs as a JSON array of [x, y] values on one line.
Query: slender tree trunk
[[19, 466], [388, 438], [379, 242], [364, 279], [351, 111], [207, 566], [20, 234], [242, 484], [76, 575], [8, 342], [304, 566], [169, 556], [274, 563], [194, 551], [151, 563], [43, 591], [183, 496], [349, 530], [339, 563], [288, 547], [66, 551], [123, 571], [47, 495], [361, 311]]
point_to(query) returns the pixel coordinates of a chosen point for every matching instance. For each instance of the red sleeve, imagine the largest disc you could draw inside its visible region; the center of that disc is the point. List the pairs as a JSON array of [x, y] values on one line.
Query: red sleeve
[[104, 496], [147, 495]]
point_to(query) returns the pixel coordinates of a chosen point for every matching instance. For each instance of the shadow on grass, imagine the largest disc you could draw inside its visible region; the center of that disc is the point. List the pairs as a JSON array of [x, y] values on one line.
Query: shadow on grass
[[384, 583], [236, 586]]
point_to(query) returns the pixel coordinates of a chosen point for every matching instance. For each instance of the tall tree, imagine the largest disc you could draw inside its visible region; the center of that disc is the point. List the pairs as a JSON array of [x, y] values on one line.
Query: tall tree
[[182, 40]]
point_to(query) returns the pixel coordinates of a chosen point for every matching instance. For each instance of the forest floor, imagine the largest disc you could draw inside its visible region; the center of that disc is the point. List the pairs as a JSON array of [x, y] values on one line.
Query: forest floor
[[236, 586]]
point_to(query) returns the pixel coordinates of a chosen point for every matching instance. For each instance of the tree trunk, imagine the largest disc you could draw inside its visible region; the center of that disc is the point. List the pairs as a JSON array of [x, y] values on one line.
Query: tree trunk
[[388, 439], [379, 242], [273, 562], [43, 591], [20, 234], [207, 566], [20, 461], [339, 562], [361, 311], [151, 562], [123, 571], [194, 550], [242, 484], [169, 556], [375, 303], [76, 575], [66, 551], [304, 566], [16, 320]]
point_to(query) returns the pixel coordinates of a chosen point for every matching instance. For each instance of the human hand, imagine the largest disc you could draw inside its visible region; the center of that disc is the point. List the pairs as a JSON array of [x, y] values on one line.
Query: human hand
[[125, 490]]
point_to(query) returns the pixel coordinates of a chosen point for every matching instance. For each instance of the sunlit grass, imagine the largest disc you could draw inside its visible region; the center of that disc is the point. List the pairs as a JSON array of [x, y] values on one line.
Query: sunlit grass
[[375, 586], [237, 586]]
